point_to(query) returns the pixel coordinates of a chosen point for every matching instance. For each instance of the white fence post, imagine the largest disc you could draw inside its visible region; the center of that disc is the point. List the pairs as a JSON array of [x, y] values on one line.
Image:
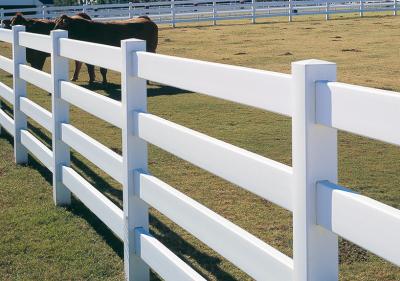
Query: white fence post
[[327, 11], [173, 12], [253, 11], [315, 250], [134, 152], [215, 12], [43, 12], [60, 113], [130, 10], [2, 17], [290, 10], [19, 88], [361, 8], [84, 8]]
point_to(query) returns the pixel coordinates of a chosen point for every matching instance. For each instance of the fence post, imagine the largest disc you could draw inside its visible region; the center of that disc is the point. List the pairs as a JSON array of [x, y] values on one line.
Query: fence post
[[60, 113], [130, 10], [395, 8], [315, 250], [19, 88], [253, 11], [134, 152], [2, 17], [327, 11], [43, 12], [361, 8], [84, 8], [215, 12], [290, 10], [173, 12]]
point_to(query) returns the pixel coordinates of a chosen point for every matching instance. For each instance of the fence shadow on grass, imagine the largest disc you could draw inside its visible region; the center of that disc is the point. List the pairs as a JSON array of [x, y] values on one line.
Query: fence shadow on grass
[[168, 236], [113, 91], [182, 249], [99, 183]]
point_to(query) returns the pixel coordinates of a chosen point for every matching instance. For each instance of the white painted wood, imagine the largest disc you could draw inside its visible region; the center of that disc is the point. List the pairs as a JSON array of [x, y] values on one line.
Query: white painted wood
[[253, 11], [100, 205], [36, 77], [60, 113], [6, 64], [250, 254], [267, 178], [6, 122], [6, 93], [315, 250], [35, 41], [361, 220], [105, 56], [134, 151], [6, 35], [19, 87], [100, 106], [37, 149], [100, 155], [360, 110], [37, 113], [165, 263], [257, 88]]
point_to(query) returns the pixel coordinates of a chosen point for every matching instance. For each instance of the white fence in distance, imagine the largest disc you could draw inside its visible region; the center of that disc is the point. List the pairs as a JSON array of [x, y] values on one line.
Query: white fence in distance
[[186, 11], [317, 104]]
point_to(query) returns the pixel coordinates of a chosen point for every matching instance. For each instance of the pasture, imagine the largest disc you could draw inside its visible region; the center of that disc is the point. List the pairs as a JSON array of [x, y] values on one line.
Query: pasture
[[39, 241]]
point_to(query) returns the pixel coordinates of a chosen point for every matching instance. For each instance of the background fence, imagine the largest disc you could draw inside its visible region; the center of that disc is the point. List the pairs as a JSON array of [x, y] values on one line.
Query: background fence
[[317, 104], [185, 11]]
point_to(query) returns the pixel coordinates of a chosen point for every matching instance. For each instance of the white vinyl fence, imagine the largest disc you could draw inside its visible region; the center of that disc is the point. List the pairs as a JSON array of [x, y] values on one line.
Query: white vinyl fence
[[186, 11], [318, 105]]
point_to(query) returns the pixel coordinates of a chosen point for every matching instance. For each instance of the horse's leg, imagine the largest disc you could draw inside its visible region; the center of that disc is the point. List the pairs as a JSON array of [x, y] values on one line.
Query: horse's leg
[[78, 66], [103, 72], [92, 75]]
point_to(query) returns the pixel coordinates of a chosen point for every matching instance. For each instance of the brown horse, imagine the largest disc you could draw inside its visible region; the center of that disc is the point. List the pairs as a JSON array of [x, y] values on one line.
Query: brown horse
[[110, 33], [43, 26]]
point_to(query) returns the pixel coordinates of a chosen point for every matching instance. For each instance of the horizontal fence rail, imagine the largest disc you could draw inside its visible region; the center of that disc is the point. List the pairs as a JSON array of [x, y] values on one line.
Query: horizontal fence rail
[[110, 58], [375, 115], [98, 154], [6, 122], [37, 148], [260, 260], [36, 77], [344, 212], [6, 93], [267, 178], [162, 260], [100, 106], [211, 79], [35, 41], [36, 112], [6, 64], [317, 104], [99, 204]]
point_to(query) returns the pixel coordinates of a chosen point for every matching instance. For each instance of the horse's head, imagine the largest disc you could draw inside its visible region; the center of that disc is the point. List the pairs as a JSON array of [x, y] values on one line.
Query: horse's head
[[18, 19], [63, 22], [6, 24]]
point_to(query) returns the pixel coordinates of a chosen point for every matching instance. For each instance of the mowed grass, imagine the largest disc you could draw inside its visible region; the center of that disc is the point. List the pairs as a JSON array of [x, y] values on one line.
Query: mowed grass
[[41, 242]]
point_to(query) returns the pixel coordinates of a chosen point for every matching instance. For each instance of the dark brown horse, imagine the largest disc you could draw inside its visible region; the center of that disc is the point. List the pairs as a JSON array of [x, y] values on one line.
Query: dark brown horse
[[110, 33], [43, 26]]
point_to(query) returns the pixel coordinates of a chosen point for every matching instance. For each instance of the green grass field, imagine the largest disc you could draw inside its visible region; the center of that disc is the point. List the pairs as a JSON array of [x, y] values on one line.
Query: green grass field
[[41, 242]]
